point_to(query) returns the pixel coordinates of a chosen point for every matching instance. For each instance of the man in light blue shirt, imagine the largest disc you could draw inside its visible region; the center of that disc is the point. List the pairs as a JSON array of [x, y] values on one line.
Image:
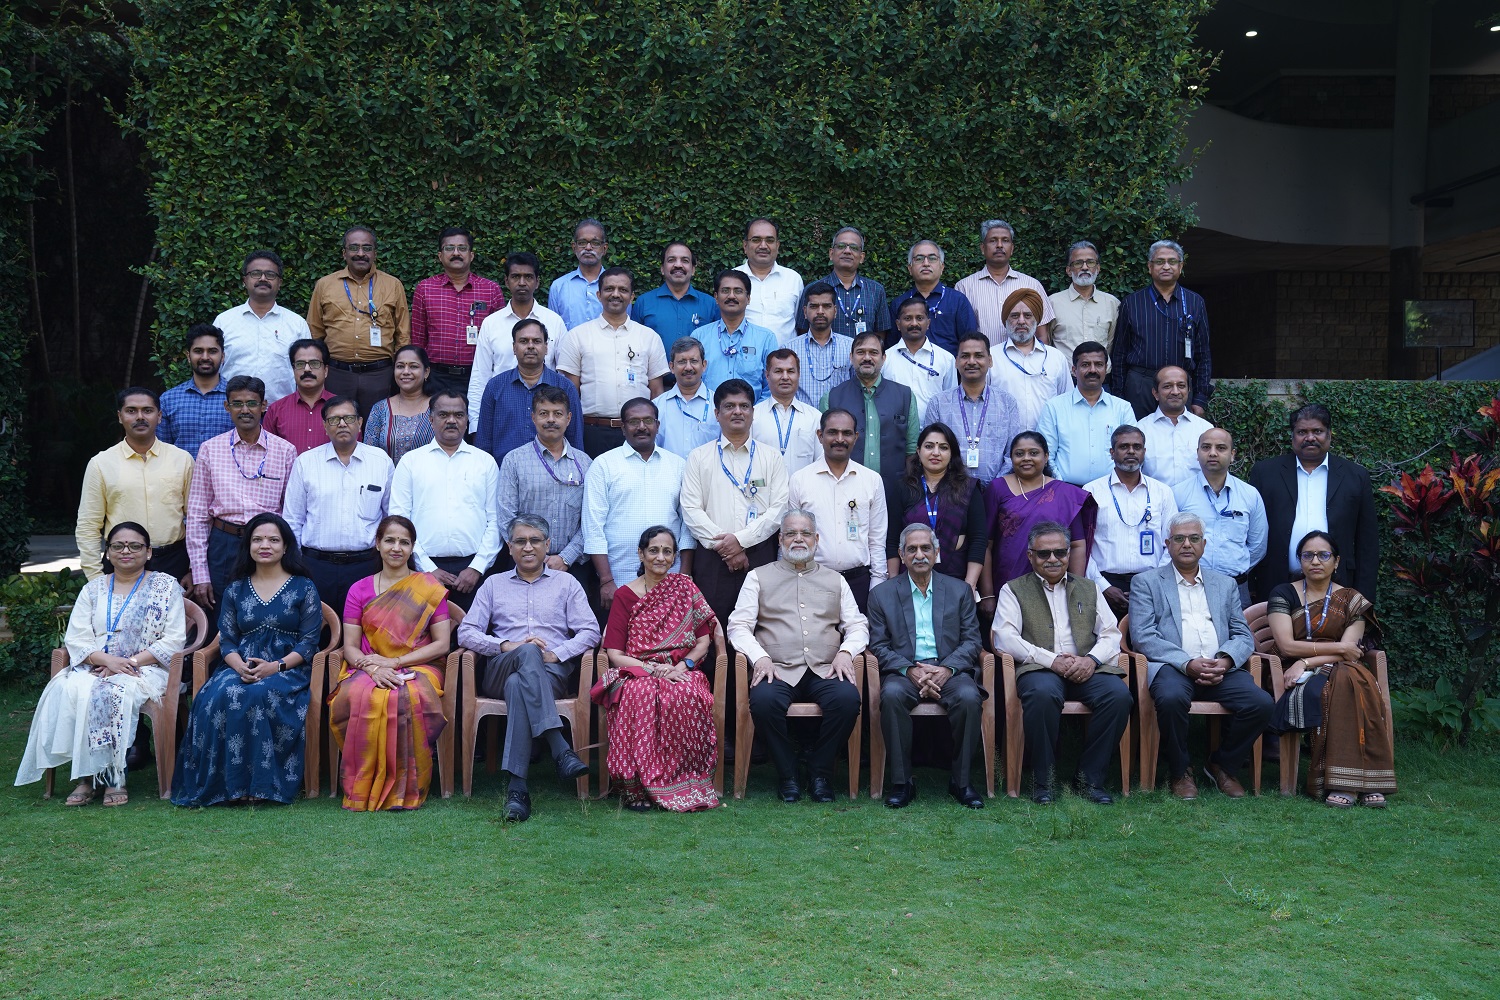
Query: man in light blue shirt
[[1078, 424], [733, 347], [575, 295], [687, 411], [1233, 514], [675, 309], [629, 489]]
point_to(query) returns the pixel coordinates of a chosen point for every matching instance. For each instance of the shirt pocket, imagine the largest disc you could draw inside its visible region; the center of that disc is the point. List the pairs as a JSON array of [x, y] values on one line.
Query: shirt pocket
[[367, 505]]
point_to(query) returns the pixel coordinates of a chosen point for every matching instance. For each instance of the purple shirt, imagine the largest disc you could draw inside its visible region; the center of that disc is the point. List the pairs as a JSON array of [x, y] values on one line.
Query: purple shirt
[[553, 608]]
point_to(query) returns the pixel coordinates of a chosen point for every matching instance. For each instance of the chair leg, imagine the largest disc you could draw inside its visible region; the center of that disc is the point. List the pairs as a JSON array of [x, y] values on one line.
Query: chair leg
[[445, 761], [312, 766], [987, 744], [1291, 751], [1255, 761], [581, 739], [744, 738], [1015, 750], [466, 751], [335, 773], [877, 743], [854, 757], [164, 734], [1125, 762]]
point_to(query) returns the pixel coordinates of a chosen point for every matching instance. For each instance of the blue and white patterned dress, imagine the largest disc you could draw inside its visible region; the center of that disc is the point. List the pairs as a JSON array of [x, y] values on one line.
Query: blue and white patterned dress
[[247, 740]]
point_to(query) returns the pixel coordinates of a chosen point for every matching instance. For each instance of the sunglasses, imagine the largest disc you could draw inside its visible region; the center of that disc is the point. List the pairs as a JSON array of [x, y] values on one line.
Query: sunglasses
[[1049, 553]]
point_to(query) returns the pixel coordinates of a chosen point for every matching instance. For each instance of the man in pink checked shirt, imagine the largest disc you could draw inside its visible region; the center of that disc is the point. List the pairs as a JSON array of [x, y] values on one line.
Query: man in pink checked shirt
[[447, 310]]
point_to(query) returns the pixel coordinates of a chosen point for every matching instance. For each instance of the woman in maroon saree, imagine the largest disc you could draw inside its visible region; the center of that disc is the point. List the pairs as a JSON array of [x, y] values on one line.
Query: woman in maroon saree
[[939, 493], [662, 740]]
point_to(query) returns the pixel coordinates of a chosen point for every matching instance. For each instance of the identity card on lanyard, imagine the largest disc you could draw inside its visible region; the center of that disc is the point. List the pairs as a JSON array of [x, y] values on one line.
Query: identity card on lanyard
[[971, 454], [375, 340], [1148, 535], [749, 489], [852, 528]]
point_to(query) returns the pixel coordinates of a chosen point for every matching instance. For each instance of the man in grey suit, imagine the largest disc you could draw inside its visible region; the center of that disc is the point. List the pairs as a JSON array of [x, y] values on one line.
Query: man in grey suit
[[1187, 621], [924, 632]]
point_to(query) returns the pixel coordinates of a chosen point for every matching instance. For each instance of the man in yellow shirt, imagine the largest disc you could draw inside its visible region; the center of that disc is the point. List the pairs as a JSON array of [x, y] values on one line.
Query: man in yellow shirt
[[361, 312]]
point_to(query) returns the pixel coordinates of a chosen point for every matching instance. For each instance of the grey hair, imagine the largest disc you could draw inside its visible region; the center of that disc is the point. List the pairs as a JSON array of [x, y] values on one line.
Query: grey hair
[[1181, 518], [912, 529], [848, 229], [1174, 245], [988, 224], [801, 512], [530, 521], [911, 254], [684, 344], [1048, 528], [1080, 245], [590, 221]]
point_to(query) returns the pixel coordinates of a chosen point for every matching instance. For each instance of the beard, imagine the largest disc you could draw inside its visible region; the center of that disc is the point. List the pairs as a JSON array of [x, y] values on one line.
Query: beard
[[1021, 337], [1085, 280]]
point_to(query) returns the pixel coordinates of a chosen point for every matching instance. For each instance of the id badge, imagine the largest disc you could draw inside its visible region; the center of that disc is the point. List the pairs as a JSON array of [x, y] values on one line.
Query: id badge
[[375, 336], [630, 375], [471, 334], [1148, 542], [852, 531], [859, 327], [971, 457]]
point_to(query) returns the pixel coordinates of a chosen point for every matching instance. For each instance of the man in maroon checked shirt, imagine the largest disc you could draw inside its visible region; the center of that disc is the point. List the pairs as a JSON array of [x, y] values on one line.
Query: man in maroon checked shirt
[[447, 309]]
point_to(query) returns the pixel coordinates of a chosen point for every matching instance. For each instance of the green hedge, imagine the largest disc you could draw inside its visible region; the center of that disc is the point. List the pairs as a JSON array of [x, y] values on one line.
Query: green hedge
[[277, 122], [1389, 428]]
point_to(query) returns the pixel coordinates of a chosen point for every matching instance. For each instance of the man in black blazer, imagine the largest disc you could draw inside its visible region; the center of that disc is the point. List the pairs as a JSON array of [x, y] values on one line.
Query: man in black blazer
[[924, 632], [1336, 498]]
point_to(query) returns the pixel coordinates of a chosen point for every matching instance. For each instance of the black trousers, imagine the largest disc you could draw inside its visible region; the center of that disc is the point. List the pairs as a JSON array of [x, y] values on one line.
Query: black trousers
[[961, 697], [1042, 694], [598, 440], [1139, 384], [333, 578], [454, 379], [456, 565], [769, 701], [223, 551], [719, 584], [858, 580], [171, 559], [365, 388], [1251, 706], [530, 686]]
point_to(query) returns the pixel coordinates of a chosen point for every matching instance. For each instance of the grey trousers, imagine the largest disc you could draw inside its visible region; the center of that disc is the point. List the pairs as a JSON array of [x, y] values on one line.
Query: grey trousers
[[530, 687], [961, 697]]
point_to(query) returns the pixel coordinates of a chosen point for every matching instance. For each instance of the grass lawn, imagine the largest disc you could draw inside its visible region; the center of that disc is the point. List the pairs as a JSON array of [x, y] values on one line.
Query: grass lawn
[[1258, 898]]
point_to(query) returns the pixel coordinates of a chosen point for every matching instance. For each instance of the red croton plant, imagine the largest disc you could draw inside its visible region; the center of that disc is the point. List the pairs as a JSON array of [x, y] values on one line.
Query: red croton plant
[[1448, 542]]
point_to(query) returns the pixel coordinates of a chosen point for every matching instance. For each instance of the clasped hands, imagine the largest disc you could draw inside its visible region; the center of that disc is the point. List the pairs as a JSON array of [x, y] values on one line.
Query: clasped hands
[[929, 679], [1073, 667], [1208, 671], [110, 664], [729, 549], [843, 668], [385, 671], [254, 669], [547, 655], [464, 582]]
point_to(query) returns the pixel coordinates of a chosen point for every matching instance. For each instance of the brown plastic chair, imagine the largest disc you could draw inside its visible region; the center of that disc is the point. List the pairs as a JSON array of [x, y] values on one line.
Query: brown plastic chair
[[1265, 652], [443, 756], [720, 678], [928, 709], [744, 724], [165, 715], [1145, 708], [1015, 732], [577, 710], [204, 667]]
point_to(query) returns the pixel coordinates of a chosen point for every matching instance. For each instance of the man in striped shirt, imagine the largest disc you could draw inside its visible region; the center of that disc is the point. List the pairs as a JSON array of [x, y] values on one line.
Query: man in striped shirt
[[823, 355], [1159, 325]]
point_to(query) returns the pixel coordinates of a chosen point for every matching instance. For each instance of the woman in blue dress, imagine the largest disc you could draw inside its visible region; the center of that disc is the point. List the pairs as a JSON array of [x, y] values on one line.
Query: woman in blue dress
[[245, 733]]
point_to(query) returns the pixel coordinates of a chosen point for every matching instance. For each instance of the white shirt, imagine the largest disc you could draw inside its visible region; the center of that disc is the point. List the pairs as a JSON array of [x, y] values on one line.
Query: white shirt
[[496, 352], [1007, 628], [1117, 538], [816, 488], [613, 364], [1312, 508], [451, 499], [773, 301], [258, 345], [1031, 378], [926, 371], [741, 626], [797, 427], [334, 506], [1172, 449], [623, 495], [1199, 637], [712, 505]]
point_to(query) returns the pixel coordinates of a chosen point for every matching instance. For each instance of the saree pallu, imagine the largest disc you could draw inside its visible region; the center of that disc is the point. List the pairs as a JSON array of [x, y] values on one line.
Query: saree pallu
[[388, 736]]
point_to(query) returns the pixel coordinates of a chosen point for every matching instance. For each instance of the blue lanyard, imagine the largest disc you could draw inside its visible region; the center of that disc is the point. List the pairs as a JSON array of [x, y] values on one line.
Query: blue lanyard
[[1225, 512], [260, 473], [937, 310], [931, 505], [682, 409], [1306, 614], [1015, 364], [783, 440], [569, 456], [1145, 518], [983, 412], [931, 371], [112, 621], [1185, 317], [350, 296], [746, 490], [724, 336], [858, 308]]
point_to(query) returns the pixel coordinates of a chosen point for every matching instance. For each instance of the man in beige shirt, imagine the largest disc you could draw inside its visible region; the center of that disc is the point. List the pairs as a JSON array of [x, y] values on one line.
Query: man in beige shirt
[[797, 622], [734, 491], [361, 312], [140, 479], [1082, 311], [989, 287]]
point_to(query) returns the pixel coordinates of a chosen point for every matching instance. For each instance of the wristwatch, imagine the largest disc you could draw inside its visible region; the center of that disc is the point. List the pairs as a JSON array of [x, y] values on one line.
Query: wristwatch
[[280, 666], [688, 662]]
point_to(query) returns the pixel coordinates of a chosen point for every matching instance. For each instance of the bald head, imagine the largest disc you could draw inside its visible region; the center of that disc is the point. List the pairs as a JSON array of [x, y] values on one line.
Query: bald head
[[1215, 454], [1172, 390]]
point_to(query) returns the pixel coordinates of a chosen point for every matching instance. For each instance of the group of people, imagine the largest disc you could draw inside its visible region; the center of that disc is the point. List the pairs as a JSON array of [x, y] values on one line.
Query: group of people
[[801, 473]]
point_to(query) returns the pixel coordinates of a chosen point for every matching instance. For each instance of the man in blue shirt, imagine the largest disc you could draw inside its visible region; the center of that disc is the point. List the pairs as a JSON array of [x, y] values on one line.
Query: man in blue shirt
[[733, 346], [675, 309], [859, 302], [575, 295], [1232, 511], [1079, 425], [1162, 324], [950, 312], [687, 412], [195, 411], [505, 409]]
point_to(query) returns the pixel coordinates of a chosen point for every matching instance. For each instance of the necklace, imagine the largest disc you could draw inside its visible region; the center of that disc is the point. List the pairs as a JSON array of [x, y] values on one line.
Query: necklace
[[1020, 488]]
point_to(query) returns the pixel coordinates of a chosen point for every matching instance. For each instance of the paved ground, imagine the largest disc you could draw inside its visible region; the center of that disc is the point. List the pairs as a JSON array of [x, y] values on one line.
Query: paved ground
[[50, 553]]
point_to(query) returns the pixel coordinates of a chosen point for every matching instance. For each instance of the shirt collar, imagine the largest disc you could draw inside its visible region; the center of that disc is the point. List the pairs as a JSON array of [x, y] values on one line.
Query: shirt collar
[[728, 445], [916, 591], [128, 452], [463, 446], [344, 273], [515, 575], [275, 310], [1321, 465], [700, 393], [775, 270], [577, 273], [821, 466], [1114, 480], [442, 279], [326, 450], [1050, 587], [1182, 581], [879, 377]]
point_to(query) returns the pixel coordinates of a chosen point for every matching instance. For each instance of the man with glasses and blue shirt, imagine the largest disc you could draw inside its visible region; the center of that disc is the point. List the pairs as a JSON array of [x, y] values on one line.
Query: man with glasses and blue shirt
[[951, 314], [1233, 514], [733, 347], [575, 296], [1159, 325], [859, 302], [687, 409]]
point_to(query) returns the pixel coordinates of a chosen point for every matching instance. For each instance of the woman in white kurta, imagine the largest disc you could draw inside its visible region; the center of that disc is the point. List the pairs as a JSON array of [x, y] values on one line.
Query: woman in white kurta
[[124, 629]]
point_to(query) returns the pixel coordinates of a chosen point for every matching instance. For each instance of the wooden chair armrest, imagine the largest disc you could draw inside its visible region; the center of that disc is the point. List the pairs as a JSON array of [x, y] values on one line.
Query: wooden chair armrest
[[987, 673], [59, 662]]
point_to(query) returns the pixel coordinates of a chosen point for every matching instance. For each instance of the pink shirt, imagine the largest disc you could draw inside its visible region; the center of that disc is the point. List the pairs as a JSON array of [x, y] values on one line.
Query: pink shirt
[[234, 481]]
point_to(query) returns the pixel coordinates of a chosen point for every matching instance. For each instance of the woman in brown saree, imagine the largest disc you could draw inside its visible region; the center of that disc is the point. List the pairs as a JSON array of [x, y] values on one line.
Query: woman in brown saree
[[1319, 629]]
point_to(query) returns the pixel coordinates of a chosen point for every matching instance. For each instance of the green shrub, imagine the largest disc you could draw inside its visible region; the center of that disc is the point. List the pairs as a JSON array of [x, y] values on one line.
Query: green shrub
[[36, 611]]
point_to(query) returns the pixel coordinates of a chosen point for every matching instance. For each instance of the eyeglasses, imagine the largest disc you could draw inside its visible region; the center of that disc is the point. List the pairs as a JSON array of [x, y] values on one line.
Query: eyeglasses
[[131, 547], [762, 241], [455, 248], [529, 542], [1321, 557], [257, 275], [849, 246], [1049, 553], [588, 243], [342, 419], [1082, 264], [308, 366], [1165, 262], [243, 404], [1190, 539], [925, 258], [796, 533], [359, 247]]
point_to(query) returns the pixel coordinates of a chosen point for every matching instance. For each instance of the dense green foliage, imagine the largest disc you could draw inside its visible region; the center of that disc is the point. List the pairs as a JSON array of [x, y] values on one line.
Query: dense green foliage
[[279, 123], [36, 613], [1389, 428]]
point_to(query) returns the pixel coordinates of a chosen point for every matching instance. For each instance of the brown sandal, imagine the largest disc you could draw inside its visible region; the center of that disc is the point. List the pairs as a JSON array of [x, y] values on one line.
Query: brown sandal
[[115, 797], [82, 795]]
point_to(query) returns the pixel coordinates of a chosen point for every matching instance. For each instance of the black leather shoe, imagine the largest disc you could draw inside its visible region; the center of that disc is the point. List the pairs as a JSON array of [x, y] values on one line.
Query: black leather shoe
[[1042, 796], [517, 807], [1093, 793], [966, 795], [790, 791], [570, 765], [901, 795], [822, 790]]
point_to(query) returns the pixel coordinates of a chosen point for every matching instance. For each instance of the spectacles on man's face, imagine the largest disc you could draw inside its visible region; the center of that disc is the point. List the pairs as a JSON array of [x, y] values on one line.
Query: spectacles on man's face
[[1321, 557], [268, 275], [528, 542], [925, 258], [359, 247], [1166, 262], [455, 248], [243, 404], [1049, 553], [342, 419], [309, 366], [1085, 264], [131, 547], [1185, 539], [849, 246], [588, 243]]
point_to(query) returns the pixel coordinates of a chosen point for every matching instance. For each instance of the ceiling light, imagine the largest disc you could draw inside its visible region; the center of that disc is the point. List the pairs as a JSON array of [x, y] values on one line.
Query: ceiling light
[[1251, 33], [1495, 27]]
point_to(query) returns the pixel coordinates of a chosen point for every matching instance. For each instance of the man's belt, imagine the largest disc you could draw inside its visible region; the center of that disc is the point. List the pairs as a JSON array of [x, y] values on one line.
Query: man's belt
[[229, 527], [1243, 577], [342, 558], [170, 548], [452, 369], [361, 367], [604, 421]]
